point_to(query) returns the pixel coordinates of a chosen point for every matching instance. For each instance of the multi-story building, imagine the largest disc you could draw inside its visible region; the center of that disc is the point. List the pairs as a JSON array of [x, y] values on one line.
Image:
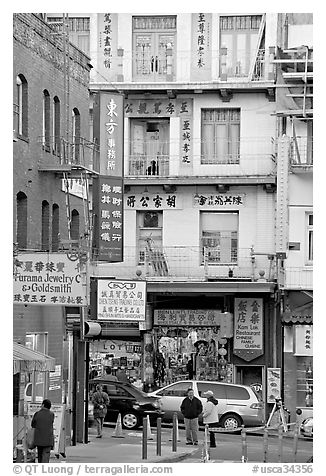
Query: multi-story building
[[294, 109], [52, 160]]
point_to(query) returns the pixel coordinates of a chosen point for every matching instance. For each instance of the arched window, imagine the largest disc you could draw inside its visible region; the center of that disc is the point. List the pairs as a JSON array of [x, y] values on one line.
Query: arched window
[[76, 135], [74, 231], [21, 223], [21, 125], [45, 226], [55, 227], [56, 125], [46, 120]]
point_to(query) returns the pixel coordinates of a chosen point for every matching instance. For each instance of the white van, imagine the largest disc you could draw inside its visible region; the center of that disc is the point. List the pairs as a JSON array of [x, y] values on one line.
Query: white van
[[39, 397], [237, 404]]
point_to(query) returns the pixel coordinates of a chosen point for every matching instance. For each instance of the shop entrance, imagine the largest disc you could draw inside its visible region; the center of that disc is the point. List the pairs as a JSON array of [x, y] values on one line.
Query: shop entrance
[[252, 375]]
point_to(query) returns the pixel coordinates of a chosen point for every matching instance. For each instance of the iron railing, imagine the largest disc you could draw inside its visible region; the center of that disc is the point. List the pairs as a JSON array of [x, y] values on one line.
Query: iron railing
[[301, 151]]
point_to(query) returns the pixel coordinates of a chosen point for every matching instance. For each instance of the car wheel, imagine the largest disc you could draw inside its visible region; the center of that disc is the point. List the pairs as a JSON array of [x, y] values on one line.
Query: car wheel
[[130, 421], [231, 422]]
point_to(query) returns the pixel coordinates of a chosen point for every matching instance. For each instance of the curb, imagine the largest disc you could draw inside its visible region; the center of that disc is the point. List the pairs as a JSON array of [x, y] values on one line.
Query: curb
[[171, 459]]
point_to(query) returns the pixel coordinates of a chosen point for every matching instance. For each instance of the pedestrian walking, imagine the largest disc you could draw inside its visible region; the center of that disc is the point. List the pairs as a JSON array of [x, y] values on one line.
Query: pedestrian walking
[[122, 376], [100, 401], [210, 415], [191, 407], [42, 422]]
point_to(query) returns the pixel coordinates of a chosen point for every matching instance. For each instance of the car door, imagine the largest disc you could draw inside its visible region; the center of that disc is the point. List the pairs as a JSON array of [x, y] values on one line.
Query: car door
[[219, 393], [171, 398]]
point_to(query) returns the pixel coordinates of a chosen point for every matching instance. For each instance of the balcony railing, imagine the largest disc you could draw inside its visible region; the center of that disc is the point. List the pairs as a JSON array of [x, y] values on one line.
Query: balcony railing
[[301, 151], [249, 156], [75, 152], [182, 263], [297, 278]]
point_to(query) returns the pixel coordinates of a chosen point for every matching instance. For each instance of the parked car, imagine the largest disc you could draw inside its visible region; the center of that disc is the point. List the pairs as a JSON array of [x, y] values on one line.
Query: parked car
[[306, 427], [132, 403], [237, 404]]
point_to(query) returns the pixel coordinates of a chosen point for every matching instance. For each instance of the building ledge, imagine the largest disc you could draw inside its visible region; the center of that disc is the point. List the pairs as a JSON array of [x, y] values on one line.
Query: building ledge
[[217, 287], [196, 180]]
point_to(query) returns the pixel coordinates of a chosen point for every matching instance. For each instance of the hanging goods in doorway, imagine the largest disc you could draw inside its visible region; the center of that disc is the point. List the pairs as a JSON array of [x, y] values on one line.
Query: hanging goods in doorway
[[278, 407]]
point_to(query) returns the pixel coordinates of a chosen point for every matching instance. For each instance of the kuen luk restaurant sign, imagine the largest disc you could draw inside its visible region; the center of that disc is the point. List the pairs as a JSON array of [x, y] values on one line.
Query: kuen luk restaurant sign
[[248, 328]]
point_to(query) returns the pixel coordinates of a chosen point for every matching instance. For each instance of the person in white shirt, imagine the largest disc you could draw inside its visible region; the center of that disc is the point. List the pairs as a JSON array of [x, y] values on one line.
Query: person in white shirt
[[210, 415]]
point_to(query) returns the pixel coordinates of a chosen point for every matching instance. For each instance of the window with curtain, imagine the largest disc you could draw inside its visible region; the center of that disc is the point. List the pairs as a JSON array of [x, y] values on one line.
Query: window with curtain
[[239, 35], [55, 227], [56, 125], [220, 136], [46, 120], [219, 237], [21, 125], [149, 227], [21, 224], [45, 232]]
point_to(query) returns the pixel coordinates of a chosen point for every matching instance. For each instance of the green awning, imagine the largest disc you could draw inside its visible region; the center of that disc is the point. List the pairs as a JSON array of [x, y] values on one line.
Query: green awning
[[28, 360]]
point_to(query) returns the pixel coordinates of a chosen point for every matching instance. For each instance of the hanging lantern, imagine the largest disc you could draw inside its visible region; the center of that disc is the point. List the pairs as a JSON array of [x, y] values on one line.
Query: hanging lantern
[[222, 362], [222, 351], [222, 341]]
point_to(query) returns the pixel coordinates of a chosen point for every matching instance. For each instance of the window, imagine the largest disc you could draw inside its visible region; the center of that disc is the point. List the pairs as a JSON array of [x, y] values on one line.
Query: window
[[37, 341], [310, 237], [46, 120], [176, 390], [149, 234], [45, 232], [239, 35], [220, 136], [149, 147], [218, 390], [76, 135], [74, 230], [55, 227], [236, 393], [21, 230], [219, 237], [56, 125], [22, 106]]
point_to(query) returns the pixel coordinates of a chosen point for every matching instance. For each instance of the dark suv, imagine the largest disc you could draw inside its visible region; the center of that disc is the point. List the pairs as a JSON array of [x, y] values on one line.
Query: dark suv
[[129, 401]]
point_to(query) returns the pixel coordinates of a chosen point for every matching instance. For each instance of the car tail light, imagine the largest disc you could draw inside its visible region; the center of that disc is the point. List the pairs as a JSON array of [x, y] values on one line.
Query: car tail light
[[256, 406]]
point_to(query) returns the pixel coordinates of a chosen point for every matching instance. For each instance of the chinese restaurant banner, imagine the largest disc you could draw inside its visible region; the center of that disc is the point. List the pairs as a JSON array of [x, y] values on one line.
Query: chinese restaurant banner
[[273, 389], [48, 279], [187, 317], [248, 328], [303, 340], [108, 211], [121, 300], [111, 133], [148, 201], [201, 29]]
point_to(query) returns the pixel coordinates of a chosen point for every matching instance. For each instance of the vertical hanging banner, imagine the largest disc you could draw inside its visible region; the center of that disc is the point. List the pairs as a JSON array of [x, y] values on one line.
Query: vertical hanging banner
[[107, 44], [108, 214], [201, 46], [108, 131], [248, 328]]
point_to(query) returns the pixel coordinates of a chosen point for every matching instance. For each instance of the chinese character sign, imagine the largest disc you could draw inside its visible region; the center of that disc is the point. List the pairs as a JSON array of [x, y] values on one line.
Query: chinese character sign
[[186, 317], [48, 278], [150, 201], [108, 210], [201, 45], [205, 200], [158, 108], [107, 43], [248, 327], [111, 134], [303, 340], [121, 300]]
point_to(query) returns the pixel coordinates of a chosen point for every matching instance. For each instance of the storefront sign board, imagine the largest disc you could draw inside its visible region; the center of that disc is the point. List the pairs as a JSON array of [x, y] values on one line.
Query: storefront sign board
[[303, 340], [48, 279], [248, 328], [121, 300], [273, 384], [187, 317], [151, 201]]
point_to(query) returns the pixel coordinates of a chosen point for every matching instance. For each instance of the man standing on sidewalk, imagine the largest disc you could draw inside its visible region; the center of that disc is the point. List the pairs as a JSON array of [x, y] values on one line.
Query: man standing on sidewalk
[[42, 421], [100, 401], [191, 407]]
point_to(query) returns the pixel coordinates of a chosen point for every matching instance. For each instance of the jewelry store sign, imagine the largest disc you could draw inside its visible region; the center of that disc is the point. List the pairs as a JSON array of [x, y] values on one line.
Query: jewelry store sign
[[48, 278], [248, 328], [121, 300]]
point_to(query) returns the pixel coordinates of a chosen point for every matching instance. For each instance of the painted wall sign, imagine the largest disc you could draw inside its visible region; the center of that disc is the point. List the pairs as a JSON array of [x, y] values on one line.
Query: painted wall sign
[[248, 328], [215, 201], [153, 201], [273, 384], [108, 211], [121, 300], [187, 317], [201, 45], [158, 108], [48, 278], [303, 340]]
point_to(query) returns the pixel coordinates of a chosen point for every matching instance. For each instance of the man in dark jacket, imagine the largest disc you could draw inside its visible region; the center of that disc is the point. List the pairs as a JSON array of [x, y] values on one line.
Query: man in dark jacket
[[100, 401], [42, 421], [191, 407]]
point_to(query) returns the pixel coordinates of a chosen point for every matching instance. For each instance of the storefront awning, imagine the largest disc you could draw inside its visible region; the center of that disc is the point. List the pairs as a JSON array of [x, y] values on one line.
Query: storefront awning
[[297, 314], [28, 360]]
